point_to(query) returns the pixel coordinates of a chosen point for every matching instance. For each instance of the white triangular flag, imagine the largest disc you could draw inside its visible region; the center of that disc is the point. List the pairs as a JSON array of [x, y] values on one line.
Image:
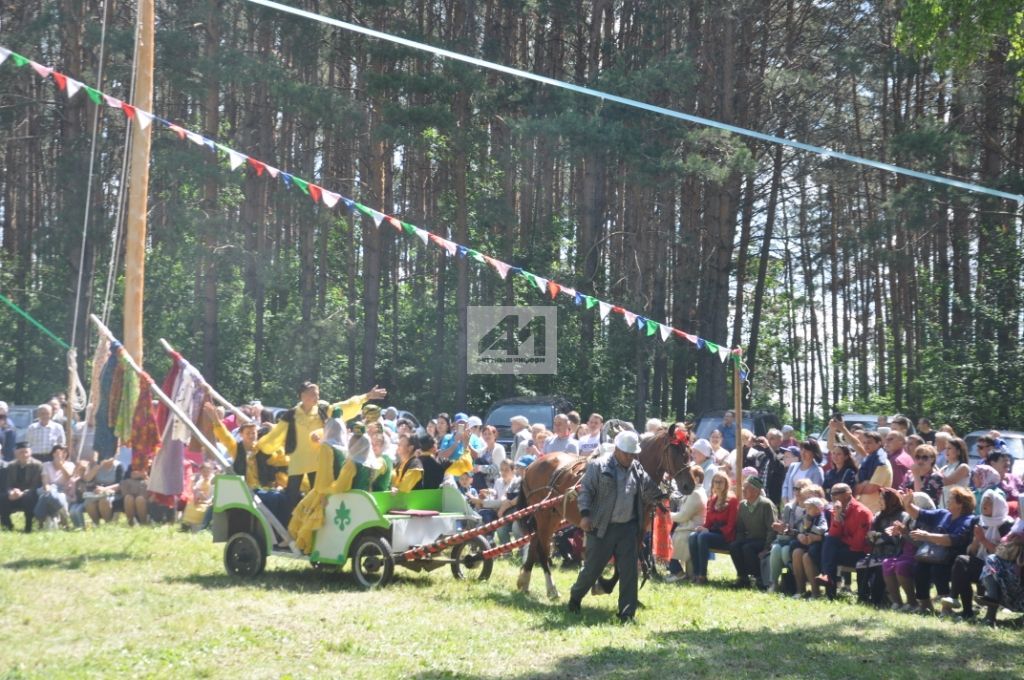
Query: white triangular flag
[[423, 234], [723, 352], [272, 171], [144, 117], [605, 309], [450, 246], [4, 53], [377, 216], [665, 331], [571, 292], [499, 266], [43, 71], [330, 198], [73, 87], [194, 137], [112, 102], [235, 159], [630, 318]]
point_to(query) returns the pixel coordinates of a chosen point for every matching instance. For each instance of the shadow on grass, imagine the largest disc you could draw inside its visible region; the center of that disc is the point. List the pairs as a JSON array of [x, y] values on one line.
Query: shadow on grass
[[70, 562], [308, 580], [801, 649]]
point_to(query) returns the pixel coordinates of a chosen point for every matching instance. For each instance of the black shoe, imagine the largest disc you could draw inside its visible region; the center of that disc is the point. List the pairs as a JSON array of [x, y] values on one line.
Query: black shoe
[[573, 607], [626, 620], [741, 584]]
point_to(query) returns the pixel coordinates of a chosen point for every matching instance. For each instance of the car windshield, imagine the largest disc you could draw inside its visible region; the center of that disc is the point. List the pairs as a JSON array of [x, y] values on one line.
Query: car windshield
[[1015, 445], [501, 417], [20, 418], [707, 425]]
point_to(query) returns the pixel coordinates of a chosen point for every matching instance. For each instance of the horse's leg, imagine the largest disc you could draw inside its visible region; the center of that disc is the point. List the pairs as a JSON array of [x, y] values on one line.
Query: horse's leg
[[545, 563], [531, 554]]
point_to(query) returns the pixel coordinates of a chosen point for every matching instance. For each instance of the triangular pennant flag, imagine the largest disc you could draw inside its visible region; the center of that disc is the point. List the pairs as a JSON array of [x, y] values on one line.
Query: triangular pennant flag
[[144, 118], [194, 137], [394, 222], [350, 205], [589, 301], [665, 331], [210, 144], [235, 159], [60, 79], [272, 171], [570, 292], [515, 271], [553, 289], [577, 298], [630, 317], [423, 234], [460, 250], [73, 87], [95, 95], [449, 246], [315, 192], [302, 184], [700, 343], [112, 102], [475, 255], [541, 282], [18, 59], [605, 308], [723, 352], [711, 347], [330, 198], [43, 71], [4, 53], [180, 131], [287, 179], [499, 266], [641, 321], [409, 229], [652, 327], [129, 110], [256, 165], [528, 276]]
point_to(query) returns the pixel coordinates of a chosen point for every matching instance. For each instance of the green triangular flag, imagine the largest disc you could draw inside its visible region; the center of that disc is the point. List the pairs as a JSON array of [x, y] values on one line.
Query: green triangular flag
[[18, 59], [363, 209], [712, 347], [475, 254], [408, 229], [302, 184], [95, 95], [591, 302], [651, 327]]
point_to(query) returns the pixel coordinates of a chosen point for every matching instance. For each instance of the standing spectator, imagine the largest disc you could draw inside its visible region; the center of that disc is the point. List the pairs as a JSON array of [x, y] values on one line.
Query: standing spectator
[[787, 437], [843, 471], [721, 454], [44, 434], [21, 484], [900, 424], [952, 528], [846, 542], [875, 473], [1011, 484], [925, 431], [521, 435], [574, 422], [923, 475], [486, 463], [765, 456], [809, 468], [8, 435], [728, 430], [563, 441], [592, 439], [941, 445], [718, 529], [900, 460], [957, 470]]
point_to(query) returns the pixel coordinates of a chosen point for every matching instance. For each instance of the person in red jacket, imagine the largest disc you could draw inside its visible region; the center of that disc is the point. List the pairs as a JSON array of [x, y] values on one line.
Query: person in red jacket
[[719, 528], [847, 540]]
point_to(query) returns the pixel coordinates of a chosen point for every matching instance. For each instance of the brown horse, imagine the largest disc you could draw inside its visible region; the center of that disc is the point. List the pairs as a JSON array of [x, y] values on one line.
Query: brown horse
[[663, 456]]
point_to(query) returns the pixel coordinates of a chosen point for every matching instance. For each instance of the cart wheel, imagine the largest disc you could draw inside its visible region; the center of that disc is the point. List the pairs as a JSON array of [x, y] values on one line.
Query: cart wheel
[[244, 556], [467, 559], [372, 562]]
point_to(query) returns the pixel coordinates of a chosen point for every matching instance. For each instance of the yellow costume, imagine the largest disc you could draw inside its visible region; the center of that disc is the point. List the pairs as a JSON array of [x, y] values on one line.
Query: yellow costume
[[305, 457], [275, 458]]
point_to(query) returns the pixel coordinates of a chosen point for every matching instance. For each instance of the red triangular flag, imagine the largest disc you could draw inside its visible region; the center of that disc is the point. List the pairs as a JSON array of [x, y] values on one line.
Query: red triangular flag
[[394, 222], [618, 310], [257, 166], [60, 79], [553, 288], [314, 192], [129, 110], [179, 131]]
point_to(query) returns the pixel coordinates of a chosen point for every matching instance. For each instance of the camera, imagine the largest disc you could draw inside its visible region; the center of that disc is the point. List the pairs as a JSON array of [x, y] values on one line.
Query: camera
[[837, 415]]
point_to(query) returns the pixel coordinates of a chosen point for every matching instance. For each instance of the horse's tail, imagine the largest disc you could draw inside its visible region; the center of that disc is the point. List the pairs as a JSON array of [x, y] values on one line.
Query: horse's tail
[[528, 523]]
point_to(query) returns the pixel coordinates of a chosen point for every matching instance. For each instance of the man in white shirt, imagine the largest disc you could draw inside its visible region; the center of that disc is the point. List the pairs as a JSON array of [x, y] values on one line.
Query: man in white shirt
[[563, 441], [45, 433], [590, 442]]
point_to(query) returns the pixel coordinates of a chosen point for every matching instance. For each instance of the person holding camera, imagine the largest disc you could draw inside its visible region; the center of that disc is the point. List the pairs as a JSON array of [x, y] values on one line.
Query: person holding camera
[[766, 457]]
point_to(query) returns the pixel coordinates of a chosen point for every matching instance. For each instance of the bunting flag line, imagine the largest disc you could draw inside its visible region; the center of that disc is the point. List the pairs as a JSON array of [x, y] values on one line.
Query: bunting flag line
[[236, 159]]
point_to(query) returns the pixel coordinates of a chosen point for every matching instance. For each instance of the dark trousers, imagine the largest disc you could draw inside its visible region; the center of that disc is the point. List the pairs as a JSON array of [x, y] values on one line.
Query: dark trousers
[[926, 575], [25, 504], [620, 541], [701, 545], [966, 572], [835, 554], [744, 554], [293, 492]]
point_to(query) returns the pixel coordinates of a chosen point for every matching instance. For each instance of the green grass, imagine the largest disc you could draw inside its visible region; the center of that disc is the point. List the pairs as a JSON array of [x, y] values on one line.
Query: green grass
[[153, 602]]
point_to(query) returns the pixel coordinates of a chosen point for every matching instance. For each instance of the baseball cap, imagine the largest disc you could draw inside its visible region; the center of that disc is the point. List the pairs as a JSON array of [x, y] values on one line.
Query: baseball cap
[[474, 421], [627, 442], [524, 461], [459, 417], [792, 449], [787, 429]]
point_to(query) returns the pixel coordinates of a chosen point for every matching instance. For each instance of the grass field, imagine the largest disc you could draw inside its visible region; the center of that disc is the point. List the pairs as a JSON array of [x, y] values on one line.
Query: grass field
[[153, 602]]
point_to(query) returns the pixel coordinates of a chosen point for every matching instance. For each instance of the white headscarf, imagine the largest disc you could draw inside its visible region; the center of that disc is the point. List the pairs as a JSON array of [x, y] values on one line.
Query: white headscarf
[[991, 524]]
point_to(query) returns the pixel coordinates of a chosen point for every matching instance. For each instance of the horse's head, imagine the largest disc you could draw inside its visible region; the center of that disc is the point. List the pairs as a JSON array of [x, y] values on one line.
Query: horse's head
[[669, 454]]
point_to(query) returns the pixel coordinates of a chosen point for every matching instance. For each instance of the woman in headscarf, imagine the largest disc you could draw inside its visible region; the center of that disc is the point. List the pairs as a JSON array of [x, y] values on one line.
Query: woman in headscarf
[[983, 478], [897, 552], [1000, 577], [993, 523]]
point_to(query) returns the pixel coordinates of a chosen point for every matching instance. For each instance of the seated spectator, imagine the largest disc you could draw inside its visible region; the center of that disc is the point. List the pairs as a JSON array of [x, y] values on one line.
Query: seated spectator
[[1000, 577], [846, 543], [809, 468], [53, 499], [1010, 483], [890, 544], [409, 468], [843, 470], [134, 494], [786, 529], [20, 491], [983, 479], [993, 524], [806, 552], [922, 476], [76, 494], [718, 529], [194, 517], [956, 472], [687, 518], [507, 531], [540, 438], [491, 499], [464, 483], [433, 470], [102, 489], [951, 528], [487, 461]]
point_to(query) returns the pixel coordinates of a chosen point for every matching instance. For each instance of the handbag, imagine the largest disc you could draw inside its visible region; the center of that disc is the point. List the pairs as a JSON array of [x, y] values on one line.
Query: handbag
[[1010, 552], [932, 553]]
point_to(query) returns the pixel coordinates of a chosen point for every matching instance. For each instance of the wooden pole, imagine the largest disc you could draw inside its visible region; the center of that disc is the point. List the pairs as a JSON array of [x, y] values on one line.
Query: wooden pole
[[69, 412], [213, 393], [159, 394], [737, 397], [138, 188]]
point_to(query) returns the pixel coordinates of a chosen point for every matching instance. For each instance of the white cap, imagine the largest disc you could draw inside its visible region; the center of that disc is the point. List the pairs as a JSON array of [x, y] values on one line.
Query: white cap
[[474, 421], [787, 428], [628, 442], [704, 446], [3, 406]]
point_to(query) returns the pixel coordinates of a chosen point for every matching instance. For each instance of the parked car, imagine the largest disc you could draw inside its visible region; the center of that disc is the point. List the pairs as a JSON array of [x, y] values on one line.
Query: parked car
[[1014, 444], [20, 417], [758, 422], [535, 409]]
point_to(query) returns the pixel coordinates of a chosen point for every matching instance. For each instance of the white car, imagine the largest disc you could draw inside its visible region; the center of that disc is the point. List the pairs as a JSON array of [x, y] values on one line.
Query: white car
[[1014, 445]]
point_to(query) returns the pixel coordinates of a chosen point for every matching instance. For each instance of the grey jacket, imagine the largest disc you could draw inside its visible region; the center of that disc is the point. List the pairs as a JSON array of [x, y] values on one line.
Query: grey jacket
[[596, 497]]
